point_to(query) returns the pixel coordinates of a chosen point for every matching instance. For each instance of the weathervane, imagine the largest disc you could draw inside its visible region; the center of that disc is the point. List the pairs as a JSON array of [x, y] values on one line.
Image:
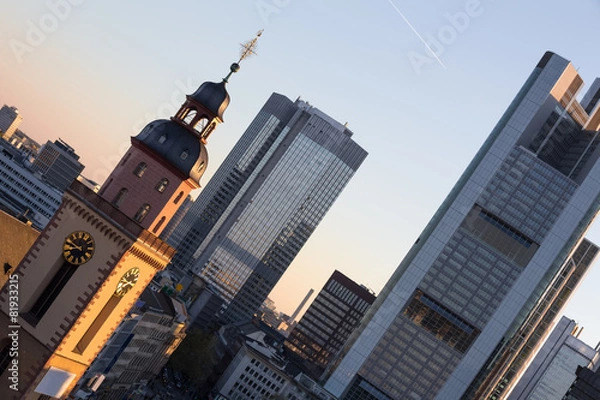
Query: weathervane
[[248, 50]]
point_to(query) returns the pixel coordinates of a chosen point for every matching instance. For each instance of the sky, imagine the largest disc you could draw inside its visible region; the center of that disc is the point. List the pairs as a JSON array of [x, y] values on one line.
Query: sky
[[421, 85]]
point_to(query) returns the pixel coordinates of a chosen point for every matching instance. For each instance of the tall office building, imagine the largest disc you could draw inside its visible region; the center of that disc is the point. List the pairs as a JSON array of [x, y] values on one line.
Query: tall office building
[[491, 254], [10, 119], [186, 204], [329, 321], [552, 371], [265, 201], [58, 164]]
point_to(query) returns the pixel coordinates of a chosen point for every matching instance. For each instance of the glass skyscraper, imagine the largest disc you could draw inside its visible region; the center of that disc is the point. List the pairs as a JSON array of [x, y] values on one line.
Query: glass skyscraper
[[264, 202], [493, 256]]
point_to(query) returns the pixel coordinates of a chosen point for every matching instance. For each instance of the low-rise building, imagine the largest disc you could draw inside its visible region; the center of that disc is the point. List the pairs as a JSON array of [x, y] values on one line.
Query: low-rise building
[[260, 371], [139, 348], [22, 192]]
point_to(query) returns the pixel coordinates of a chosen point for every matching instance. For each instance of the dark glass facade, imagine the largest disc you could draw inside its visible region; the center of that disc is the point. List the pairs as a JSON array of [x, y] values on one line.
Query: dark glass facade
[[329, 321], [264, 202]]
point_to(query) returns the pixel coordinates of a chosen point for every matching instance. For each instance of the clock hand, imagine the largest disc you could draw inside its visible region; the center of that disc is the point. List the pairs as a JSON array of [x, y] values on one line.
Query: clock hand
[[73, 245]]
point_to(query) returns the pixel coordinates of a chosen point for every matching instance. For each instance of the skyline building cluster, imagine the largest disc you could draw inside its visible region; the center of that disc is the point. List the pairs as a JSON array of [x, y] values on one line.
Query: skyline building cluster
[[460, 318]]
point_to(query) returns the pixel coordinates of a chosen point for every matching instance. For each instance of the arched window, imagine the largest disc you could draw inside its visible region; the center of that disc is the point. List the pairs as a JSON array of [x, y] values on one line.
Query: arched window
[[208, 131], [140, 169], [189, 116], [89, 334], [159, 224], [142, 212], [200, 124], [118, 200], [162, 185], [50, 293], [178, 198]]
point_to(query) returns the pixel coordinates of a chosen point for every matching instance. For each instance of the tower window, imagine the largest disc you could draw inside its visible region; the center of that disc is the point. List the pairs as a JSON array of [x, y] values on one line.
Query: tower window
[[119, 197], [162, 185], [189, 116], [200, 124], [142, 212], [159, 224], [90, 333], [50, 293], [185, 154], [162, 139], [178, 198], [140, 169]]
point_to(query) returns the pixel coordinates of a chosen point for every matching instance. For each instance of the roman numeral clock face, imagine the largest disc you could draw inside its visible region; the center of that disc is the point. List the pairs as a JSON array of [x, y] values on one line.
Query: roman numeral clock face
[[78, 248]]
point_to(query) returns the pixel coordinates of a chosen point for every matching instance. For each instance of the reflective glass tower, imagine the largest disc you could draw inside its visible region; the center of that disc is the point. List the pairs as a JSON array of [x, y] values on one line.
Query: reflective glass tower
[[492, 258], [264, 202]]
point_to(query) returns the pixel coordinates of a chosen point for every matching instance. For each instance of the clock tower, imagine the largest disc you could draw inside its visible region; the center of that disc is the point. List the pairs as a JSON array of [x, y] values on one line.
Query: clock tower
[[100, 250]]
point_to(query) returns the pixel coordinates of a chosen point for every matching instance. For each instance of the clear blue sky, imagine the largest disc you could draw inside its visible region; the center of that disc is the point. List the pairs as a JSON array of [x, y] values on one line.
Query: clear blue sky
[[94, 72]]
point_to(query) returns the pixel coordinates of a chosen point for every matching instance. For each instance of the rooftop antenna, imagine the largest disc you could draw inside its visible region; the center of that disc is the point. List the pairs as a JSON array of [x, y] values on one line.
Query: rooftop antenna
[[248, 50]]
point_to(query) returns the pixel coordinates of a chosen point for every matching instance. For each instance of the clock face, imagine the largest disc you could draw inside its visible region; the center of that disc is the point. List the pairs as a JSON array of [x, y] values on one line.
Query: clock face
[[78, 248], [127, 281]]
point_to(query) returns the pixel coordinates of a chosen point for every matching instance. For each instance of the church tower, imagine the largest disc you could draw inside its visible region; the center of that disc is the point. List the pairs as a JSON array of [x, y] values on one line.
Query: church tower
[[99, 251]]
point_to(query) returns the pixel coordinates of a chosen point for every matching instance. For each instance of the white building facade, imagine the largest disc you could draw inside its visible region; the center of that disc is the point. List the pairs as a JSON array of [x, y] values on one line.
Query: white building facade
[[23, 193]]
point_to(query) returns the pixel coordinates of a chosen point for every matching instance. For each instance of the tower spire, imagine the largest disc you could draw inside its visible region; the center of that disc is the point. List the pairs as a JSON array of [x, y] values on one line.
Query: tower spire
[[247, 51]]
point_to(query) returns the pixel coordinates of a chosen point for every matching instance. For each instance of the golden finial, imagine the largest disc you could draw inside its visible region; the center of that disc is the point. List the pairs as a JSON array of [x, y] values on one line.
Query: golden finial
[[248, 50]]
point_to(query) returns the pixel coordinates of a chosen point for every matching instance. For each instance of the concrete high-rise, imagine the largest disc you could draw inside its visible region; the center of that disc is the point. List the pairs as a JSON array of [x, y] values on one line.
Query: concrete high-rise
[[264, 202], [58, 164], [491, 254]]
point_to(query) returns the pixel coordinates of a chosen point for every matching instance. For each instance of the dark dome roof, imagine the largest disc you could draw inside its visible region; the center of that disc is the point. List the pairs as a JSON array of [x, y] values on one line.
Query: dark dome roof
[[178, 146], [213, 96]]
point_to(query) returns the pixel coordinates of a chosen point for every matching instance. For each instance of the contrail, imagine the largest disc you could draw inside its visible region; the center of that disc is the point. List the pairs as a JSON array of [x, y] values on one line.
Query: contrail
[[416, 33]]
